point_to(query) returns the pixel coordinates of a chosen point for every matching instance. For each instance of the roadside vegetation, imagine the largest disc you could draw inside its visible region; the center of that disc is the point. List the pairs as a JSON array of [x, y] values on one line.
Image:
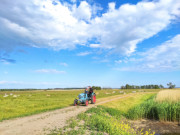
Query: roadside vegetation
[[99, 121], [163, 107]]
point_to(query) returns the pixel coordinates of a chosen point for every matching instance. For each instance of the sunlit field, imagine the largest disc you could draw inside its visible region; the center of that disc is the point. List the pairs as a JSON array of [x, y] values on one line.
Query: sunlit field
[[168, 95], [15, 104], [22, 103]]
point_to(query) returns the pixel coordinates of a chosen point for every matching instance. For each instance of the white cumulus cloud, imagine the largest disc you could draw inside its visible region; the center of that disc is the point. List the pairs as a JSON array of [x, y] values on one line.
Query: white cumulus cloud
[[123, 28], [165, 57], [83, 11], [95, 45], [61, 25]]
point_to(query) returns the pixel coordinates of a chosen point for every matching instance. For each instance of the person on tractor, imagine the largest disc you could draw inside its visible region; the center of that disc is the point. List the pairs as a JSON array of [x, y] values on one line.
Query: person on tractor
[[86, 90], [90, 91]]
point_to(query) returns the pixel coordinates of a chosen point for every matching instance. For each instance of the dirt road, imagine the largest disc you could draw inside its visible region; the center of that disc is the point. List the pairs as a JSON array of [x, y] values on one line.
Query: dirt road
[[44, 122]]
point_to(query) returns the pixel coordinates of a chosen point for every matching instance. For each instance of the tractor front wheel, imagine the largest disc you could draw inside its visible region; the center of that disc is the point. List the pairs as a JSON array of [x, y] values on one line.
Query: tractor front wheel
[[87, 102], [75, 102], [93, 99]]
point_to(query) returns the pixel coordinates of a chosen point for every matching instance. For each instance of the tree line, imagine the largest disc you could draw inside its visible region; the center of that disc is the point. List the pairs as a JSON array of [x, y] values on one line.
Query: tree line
[[96, 87], [151, 86], [127, 86]]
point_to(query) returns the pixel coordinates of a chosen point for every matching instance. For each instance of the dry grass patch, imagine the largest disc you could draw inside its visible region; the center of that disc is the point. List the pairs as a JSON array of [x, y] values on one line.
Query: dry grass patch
[[168, 95]]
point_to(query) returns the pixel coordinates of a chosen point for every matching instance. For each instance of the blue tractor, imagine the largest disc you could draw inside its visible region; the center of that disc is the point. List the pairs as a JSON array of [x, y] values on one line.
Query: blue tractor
[[84, 98]]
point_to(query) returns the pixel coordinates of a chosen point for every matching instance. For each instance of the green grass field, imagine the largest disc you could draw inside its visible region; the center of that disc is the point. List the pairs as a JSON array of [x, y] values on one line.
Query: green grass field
[[23, 103]]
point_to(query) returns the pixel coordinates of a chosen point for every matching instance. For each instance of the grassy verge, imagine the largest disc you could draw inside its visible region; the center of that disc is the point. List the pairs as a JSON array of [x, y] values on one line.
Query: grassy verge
[[99, 121]]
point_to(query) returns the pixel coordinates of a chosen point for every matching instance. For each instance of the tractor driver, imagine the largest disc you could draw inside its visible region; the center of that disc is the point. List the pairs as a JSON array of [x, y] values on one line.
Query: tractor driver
[[86, 90], [90, 91]]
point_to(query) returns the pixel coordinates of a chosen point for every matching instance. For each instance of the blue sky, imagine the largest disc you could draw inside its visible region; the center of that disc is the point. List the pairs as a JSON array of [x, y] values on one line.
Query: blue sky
[[74, 43]]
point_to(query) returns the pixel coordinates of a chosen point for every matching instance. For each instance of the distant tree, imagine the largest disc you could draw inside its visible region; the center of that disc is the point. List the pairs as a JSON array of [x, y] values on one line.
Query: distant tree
[[127, 86], [171, 86], [122, 87], [161, 86], [96, 87], [156, 86], [148, 87]]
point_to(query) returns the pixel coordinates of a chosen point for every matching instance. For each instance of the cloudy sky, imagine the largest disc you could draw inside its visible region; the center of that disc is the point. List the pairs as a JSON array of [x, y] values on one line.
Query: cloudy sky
[[74, 43]]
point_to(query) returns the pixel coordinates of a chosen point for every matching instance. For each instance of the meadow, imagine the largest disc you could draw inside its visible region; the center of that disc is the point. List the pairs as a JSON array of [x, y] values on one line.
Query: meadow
[[23, 103]]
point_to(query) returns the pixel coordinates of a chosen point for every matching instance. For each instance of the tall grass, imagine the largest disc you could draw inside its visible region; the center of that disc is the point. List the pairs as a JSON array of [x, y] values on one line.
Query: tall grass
[[163, 111], [168, 96]]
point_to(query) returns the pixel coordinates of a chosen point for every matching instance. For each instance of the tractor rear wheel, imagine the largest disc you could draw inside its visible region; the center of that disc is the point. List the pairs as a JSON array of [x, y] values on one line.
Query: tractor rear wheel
[[75, 102], [93, 99], [87, 102]]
